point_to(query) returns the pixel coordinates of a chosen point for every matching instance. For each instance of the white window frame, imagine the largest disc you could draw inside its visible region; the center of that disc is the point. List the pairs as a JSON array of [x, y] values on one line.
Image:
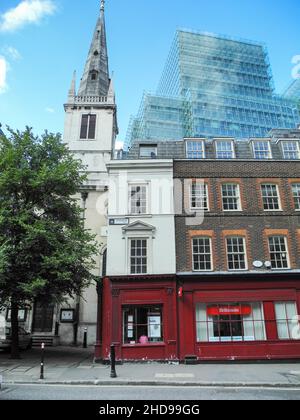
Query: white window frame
[[296, 142], [202, 142], [238, 197], [142, 185], [254, 142], [211, 254], [245, 253], [278, 196], [149, 147], [287, 252], [88, 126], [217, 142], [298, 197], [207, 197], [137, 238]]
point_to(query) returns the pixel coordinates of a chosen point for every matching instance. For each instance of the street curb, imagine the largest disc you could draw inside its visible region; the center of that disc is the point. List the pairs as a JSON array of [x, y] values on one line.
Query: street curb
[[157, 383]]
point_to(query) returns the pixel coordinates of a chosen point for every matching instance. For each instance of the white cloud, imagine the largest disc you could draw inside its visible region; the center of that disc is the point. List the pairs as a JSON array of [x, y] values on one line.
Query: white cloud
[[3, 72], [12, 53], [27, 12], [50, 110]]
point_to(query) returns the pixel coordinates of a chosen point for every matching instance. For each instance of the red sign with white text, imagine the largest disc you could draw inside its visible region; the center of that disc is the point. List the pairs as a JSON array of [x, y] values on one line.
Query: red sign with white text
[[229, 310]]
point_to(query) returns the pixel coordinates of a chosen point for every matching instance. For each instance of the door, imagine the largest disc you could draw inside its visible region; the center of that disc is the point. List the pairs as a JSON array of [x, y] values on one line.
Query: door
[[43, 318]]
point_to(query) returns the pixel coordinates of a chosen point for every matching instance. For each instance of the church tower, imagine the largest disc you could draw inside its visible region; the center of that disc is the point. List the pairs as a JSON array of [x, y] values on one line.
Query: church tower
[[91, 113], [90, 133]]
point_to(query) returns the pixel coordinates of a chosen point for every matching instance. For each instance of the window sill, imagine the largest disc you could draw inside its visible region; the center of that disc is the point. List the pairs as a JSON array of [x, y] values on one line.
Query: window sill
[[162, 344]]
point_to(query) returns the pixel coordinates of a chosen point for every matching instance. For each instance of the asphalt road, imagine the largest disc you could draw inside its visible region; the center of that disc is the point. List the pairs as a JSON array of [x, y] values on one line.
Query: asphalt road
[[111, 393]]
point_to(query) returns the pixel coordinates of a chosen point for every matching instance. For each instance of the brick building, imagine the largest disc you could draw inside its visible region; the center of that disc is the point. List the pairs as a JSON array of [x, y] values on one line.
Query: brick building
[[237, 231]]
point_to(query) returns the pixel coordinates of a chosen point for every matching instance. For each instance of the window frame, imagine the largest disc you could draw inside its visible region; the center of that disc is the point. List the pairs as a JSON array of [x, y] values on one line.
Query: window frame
[[217, 142], [207, 209], [88, 127], [245, 253], [287, 252], [202, 142], [295, 197], [136, 257], [268, 197], [238, 197], [254, 142], [211, 254], [296, 142], [148, 146], [141, 185]]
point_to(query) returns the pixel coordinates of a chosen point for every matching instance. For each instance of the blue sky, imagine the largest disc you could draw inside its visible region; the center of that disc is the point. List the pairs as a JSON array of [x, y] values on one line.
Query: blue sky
[[43, 41]]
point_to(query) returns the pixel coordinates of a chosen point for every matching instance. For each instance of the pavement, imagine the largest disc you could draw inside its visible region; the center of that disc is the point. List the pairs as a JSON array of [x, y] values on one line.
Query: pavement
[[75, 366]]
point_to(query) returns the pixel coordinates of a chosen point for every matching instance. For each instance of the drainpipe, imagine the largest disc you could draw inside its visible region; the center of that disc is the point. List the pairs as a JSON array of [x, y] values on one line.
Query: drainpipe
[[84, 197]]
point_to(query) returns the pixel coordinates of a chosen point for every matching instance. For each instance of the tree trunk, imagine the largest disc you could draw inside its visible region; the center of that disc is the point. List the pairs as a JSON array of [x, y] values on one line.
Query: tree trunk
[[15, 351]]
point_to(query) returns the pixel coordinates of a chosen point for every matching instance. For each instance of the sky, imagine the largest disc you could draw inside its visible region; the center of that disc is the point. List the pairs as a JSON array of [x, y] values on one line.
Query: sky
[[43, 41]]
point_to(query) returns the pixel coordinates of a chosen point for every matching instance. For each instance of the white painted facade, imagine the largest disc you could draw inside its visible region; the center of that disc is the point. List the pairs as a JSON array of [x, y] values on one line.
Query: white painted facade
[[156, 225]]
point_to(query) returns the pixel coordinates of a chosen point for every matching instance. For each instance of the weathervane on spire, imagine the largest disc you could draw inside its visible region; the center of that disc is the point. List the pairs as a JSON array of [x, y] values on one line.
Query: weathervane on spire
[[102, 5]]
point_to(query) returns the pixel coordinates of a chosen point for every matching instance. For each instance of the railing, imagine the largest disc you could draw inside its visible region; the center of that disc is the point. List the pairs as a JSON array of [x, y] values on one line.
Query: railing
[[90, 99]]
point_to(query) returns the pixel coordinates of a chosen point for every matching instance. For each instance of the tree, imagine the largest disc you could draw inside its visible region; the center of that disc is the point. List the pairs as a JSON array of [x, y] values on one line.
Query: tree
[[45, 252]]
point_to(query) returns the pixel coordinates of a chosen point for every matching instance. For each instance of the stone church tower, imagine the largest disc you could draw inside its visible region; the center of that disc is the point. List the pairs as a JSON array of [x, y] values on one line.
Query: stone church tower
[[90, 133]]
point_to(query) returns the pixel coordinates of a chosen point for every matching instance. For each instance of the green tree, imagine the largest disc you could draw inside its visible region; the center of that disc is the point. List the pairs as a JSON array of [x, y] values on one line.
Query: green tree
[[45, 252]]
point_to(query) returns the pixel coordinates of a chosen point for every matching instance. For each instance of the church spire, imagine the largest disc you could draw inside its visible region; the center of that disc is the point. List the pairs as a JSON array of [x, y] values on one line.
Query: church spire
[[95, 80]]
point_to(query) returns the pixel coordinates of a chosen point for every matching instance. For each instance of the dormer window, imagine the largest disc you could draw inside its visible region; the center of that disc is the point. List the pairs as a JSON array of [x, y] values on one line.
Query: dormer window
[[225, 149], [290, 150], [262, 149], [195, 149], [148, 151]]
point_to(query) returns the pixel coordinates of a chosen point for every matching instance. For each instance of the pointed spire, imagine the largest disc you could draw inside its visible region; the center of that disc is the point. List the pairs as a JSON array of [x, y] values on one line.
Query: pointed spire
[[111, 91], [72, 90], [95, 79]]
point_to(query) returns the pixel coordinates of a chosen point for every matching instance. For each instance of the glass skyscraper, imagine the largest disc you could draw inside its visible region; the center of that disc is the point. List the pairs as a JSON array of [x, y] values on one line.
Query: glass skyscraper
[[213, 86]]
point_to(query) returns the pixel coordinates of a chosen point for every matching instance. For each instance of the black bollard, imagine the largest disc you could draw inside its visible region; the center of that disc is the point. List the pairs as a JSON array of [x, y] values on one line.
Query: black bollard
[[113, 373], [85, 339], [42, 361]]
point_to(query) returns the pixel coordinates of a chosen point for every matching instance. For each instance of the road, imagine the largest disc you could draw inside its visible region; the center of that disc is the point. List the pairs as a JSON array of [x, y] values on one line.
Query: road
[[111, 393]]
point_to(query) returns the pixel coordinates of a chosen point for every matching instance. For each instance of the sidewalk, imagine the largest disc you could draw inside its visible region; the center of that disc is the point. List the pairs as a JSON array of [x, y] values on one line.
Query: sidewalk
[[73, 366]]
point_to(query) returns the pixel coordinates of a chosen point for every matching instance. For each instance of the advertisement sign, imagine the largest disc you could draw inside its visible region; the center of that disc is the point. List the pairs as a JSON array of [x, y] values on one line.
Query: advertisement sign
[[154, 326], [243, 310]]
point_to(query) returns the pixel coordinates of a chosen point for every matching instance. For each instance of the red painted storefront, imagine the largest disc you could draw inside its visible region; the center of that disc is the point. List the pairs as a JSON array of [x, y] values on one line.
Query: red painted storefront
[[178, 299]]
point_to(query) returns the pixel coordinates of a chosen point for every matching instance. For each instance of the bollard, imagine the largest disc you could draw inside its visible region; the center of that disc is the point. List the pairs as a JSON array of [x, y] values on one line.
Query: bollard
[[113, 373], [85, 339], [42, 361]]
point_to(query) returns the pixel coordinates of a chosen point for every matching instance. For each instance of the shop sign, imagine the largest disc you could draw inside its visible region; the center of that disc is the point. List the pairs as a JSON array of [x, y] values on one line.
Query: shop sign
[[243, 310]]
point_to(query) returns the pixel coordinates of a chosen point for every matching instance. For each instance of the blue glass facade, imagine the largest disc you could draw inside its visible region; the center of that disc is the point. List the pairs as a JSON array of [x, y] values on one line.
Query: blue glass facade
[[213, 86]]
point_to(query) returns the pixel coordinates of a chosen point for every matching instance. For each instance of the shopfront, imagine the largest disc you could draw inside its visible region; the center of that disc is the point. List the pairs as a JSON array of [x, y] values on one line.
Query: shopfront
[[139, 318], [240, 318]]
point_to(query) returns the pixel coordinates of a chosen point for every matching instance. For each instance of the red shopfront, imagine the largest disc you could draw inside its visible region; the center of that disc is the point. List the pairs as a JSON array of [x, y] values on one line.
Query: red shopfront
[[139, 317], [239, 318]]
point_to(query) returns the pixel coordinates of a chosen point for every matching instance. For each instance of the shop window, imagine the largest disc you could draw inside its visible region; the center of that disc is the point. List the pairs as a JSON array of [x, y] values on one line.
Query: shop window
[[230, 322], [231, 197], [270, 196], [287, 321], [142, 325]]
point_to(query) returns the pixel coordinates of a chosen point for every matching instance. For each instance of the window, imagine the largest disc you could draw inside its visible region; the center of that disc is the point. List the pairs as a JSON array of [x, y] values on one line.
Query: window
[[278, 252], [231, 197], [296, 195], [195, 149], [225, 149], [202, 258], [88, 127], [142, 325], [287, 320], [262, 150], [138, 256], [199, 196], [148, 151], [138, 199], [236, 253], [291, 150], [270, 196], [228, 322]]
